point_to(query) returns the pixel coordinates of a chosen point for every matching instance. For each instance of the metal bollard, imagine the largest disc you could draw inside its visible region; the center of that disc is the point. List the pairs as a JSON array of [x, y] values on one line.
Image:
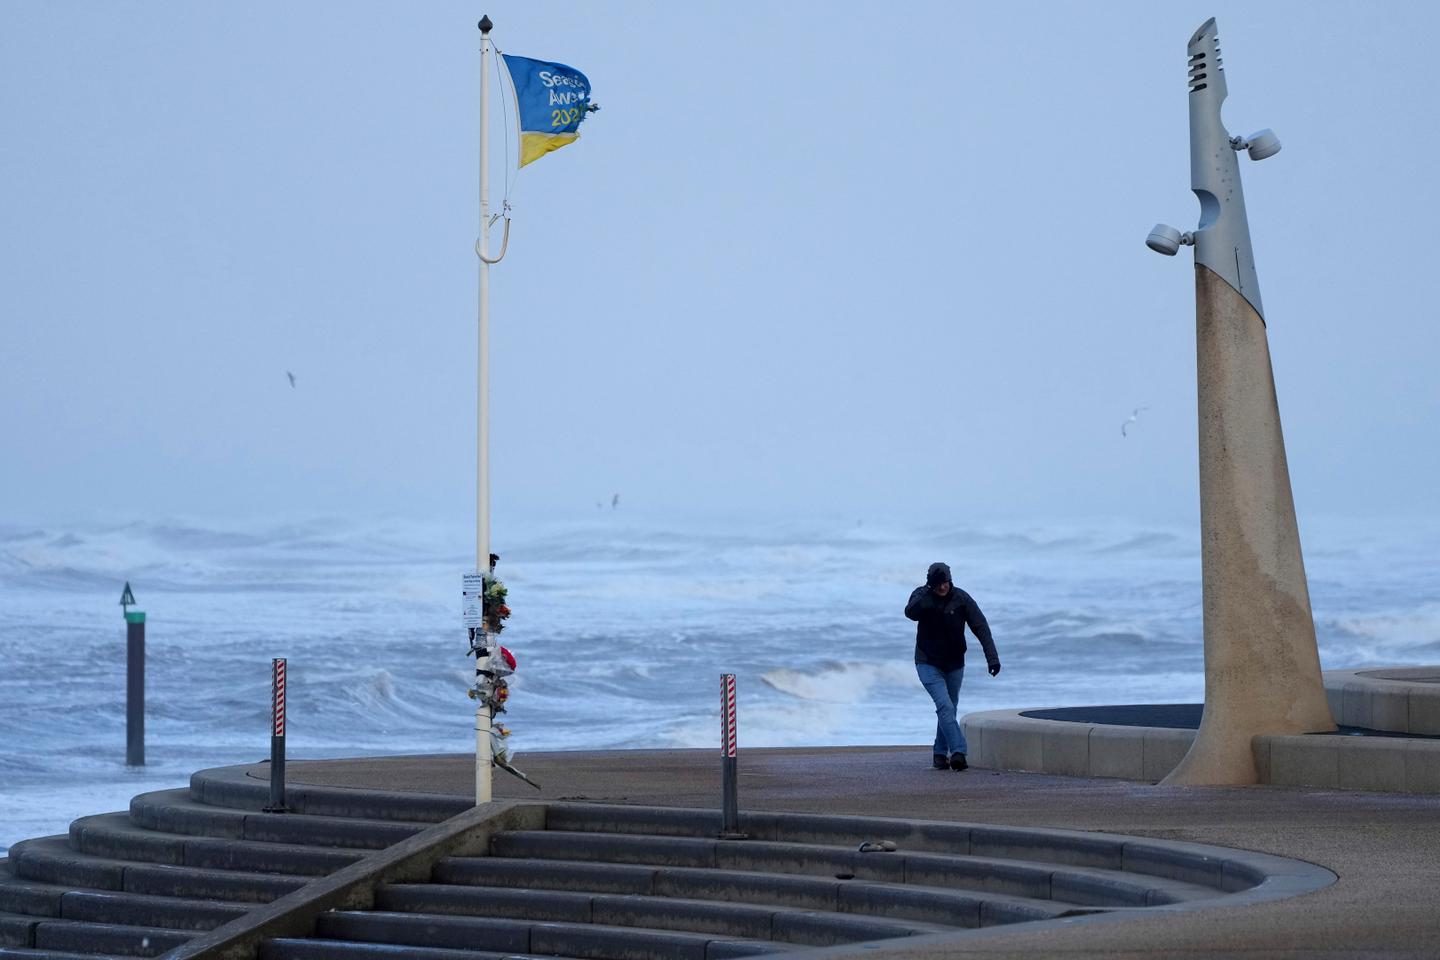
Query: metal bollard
[[134, 680], [277, 737], [135, 688], [729, 790]]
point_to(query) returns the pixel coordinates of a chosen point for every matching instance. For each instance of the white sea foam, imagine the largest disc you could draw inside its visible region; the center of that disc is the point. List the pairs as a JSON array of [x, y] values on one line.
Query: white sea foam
[[839, 682], [621, 629], [1389, 631]]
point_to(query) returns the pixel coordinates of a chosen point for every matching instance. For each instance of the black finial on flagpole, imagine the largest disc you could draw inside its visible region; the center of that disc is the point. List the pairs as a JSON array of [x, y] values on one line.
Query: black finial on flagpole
[[485, 24]]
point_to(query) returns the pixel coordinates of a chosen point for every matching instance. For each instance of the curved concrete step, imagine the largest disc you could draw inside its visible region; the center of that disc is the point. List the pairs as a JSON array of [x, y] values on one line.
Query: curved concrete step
[[233, 787], [51, 860], [1071, 885], [131, 909], [547, 874], [81, 937], [30, 953], [607, 848], [906, 902], [1080, 886], [113, 835], [173, 811], [29, 898], [289, 949], [1221, 870], [551, 939], [730, 920]]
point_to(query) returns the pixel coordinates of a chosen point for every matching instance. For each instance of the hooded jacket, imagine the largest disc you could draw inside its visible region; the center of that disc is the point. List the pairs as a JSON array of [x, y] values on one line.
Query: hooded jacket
[[940, 623]]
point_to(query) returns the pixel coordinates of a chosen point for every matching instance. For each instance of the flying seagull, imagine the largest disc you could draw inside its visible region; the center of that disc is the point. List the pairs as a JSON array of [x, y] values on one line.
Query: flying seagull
[[1133, 417], [615, 501], [291, 376]]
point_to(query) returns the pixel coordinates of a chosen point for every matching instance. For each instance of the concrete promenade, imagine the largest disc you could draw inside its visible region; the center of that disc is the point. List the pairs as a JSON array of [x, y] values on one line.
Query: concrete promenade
[[1384, 847]]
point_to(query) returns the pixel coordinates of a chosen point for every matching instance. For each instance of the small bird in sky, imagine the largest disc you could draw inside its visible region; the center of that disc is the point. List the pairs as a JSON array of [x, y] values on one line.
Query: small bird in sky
[[615, 501], [291, 376], [1132, 419]]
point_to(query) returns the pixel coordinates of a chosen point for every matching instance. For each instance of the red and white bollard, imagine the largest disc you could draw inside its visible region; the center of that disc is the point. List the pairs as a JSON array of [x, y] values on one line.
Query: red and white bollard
[[730, 802], [277, 737]]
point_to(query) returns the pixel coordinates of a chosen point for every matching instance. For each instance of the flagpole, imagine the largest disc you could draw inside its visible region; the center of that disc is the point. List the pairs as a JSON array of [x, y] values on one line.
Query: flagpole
[[483, 716]]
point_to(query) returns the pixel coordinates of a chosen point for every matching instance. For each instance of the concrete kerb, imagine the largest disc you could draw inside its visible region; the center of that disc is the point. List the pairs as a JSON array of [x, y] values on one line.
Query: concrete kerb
[[1164, 748], [1383, 764], [353, 887], [1393, 699], [234, 787], [1012, 741]]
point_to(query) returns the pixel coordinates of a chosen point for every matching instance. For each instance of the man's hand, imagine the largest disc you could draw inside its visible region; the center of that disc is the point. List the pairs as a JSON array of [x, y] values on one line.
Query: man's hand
[[994, 668]]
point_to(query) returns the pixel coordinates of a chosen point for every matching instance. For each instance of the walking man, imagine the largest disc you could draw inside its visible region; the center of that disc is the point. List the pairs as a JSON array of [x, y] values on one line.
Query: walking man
[[941, 612]]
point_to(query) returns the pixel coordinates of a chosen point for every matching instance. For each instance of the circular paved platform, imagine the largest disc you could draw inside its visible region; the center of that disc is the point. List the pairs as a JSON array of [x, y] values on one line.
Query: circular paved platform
[[1384, 848]]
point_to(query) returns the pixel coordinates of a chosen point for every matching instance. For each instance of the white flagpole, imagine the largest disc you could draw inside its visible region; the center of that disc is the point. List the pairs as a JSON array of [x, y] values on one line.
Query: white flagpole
[[483, 716]]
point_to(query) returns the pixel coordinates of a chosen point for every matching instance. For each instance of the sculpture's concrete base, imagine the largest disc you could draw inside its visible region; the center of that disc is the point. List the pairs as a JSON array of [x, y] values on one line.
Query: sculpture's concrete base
[[1262, 669], [1397, 710]]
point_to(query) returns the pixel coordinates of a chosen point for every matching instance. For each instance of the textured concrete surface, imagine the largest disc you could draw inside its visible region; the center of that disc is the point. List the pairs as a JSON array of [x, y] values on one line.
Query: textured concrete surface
[[1401, 699], [1384, 847], [1146, 741], [1262, 668], [409, 860]]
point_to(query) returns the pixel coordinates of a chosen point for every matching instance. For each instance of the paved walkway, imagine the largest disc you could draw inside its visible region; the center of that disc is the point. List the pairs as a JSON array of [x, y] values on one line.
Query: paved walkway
[[1384, 847]]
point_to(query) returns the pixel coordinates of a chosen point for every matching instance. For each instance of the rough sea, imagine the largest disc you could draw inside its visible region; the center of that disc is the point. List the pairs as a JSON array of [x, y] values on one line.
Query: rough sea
[[621, 629]]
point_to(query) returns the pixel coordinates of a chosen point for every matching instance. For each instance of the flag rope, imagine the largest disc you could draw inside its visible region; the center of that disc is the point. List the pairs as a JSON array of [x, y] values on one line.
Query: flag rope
[[511, 178]]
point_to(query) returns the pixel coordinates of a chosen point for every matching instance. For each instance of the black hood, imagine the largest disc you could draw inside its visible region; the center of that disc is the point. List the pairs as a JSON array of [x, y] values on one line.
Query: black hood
[[937, 574]]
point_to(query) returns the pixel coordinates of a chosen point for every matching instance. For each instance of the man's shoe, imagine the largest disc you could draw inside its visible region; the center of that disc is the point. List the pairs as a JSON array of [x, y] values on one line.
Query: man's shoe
[[940, 762], [957, 761]]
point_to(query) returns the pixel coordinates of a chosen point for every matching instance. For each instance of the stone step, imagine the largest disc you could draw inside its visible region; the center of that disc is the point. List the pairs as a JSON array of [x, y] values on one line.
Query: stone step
[[30, 953], [605, 847], [173, 811], [233, 787], [28, 897], [51, 860], [591, 941], [173, 913], [82, 937], [235, 886], [287, 949], [730, 920], [1193, 864], [109, 906], [1079, 885], [114, 835], [888, 901], [547, 874]]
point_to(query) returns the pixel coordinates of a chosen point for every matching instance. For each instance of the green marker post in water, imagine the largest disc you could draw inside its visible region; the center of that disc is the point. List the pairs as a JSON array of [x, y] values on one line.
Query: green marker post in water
[[134, 680]]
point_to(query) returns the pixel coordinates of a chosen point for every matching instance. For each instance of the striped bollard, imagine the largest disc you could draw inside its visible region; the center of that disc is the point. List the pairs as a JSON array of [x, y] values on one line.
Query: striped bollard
[[730, 802], [277, 737]]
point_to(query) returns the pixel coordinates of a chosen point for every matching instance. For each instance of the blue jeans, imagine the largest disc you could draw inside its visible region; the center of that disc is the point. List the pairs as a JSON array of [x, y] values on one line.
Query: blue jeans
[[944, 688]]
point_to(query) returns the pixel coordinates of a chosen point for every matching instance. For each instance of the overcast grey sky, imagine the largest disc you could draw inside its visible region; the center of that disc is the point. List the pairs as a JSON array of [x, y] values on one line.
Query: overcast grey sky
[[834, 257]]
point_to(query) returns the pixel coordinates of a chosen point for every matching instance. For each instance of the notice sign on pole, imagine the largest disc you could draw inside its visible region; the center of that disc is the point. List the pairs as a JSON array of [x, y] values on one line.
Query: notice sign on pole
[[472, 592]]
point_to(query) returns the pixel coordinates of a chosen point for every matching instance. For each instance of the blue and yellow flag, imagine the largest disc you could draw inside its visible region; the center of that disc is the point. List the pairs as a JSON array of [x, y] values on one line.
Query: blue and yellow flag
[[551, 100]]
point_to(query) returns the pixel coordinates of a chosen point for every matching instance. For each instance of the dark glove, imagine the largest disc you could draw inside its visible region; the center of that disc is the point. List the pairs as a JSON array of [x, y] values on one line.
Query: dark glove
[[994, 668]]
